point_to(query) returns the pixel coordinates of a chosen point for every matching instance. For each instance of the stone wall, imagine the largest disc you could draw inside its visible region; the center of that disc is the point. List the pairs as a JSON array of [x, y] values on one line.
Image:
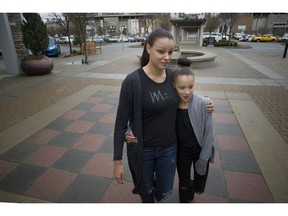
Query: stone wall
[[15, 25]]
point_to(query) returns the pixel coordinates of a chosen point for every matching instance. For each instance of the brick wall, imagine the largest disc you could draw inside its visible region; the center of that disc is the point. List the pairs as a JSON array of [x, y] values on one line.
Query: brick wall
[[246, 21], [15, 25]]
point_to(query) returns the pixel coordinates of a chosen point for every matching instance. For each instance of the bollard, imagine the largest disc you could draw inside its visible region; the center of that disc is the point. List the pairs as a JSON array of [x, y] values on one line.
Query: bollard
[[285, 50]]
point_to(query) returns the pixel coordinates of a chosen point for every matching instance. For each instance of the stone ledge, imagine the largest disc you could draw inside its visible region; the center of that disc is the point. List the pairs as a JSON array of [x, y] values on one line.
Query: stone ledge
[[200, 55], [201, 59]]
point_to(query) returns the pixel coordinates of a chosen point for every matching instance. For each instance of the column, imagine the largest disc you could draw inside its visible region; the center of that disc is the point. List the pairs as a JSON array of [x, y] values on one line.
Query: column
[[11, 60]]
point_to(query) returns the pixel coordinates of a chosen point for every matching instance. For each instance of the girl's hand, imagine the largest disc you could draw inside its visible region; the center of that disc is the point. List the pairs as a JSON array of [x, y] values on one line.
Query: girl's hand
[[210, 107], [130, 138]]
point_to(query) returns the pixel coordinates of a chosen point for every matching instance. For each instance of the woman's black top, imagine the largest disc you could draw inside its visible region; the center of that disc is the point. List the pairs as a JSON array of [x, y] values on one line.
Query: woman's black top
[[159, 110]]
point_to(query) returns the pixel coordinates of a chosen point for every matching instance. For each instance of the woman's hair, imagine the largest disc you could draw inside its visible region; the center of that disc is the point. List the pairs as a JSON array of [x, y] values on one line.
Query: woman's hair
[[158, 33], [183, 68]]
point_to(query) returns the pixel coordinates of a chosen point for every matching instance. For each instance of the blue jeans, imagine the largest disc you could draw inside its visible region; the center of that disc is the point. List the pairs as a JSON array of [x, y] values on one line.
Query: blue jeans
[[159, 170]]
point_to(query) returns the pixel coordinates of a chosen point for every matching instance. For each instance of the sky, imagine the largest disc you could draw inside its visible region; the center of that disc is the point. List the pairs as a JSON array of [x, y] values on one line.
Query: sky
[[186, 6]]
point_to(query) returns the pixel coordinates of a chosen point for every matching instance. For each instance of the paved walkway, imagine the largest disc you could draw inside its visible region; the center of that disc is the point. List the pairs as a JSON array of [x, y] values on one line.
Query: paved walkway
[[56, 131]]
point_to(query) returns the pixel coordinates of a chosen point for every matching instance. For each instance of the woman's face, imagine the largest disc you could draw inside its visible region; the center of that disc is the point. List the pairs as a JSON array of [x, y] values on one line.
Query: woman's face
[[184, 86], [161, 52]]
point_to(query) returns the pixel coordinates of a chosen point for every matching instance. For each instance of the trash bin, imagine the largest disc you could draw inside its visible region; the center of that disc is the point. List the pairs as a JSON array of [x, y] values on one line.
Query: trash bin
[[208, 41], [205, 42], [211, 40]]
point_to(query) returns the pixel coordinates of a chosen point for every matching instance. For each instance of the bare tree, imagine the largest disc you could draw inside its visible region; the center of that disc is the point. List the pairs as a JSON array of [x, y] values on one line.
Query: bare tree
[[229, 19], [157, 20], [81, 20], [163, 20], [63, 20], [212, 23], [150, 23], [52, 27]]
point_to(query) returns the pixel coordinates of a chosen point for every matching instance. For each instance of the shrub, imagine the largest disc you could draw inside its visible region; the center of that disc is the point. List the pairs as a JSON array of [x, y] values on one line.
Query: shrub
[[225, 43], [34, 31], [76, 40]]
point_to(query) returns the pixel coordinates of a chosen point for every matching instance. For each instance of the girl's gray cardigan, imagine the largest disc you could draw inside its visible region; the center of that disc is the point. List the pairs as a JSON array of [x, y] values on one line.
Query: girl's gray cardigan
[[202, 124]]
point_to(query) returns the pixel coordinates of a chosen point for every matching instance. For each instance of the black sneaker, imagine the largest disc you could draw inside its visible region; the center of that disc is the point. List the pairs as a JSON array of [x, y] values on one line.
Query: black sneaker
[[191, 190]]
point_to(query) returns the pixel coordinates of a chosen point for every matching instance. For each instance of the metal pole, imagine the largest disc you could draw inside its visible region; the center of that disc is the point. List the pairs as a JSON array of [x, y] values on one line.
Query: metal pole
[[285, 50]]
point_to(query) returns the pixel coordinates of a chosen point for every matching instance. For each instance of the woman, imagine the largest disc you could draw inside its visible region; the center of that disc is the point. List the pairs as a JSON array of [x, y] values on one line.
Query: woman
[[146, 119], [195, 138]]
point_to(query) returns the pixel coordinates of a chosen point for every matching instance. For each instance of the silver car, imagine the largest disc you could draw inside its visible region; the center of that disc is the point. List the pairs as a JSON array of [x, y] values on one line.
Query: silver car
[[98, 39]]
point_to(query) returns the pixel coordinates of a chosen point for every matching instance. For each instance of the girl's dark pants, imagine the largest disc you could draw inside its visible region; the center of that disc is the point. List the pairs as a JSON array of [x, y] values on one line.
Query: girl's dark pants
[[186, 156]]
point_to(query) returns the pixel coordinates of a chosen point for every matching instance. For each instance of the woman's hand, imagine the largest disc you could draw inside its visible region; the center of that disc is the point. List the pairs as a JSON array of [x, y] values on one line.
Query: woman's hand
[[118, 172]]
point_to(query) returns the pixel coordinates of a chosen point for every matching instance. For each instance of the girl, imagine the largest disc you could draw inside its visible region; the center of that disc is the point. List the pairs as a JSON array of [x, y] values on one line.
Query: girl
[[194, 128]]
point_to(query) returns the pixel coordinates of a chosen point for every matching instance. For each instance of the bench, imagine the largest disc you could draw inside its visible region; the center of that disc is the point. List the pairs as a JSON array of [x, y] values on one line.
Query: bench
[[93, 47]]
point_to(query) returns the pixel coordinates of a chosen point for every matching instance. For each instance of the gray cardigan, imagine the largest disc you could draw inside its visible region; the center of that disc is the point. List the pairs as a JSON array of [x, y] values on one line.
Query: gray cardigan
[[202, 124]]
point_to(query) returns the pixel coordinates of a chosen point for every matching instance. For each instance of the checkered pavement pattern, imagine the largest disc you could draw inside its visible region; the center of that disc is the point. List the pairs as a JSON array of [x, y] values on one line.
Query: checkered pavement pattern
[[70, 160]]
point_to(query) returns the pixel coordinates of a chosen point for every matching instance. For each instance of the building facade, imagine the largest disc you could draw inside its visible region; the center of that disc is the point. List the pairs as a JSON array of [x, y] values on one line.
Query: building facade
[[118, 23]]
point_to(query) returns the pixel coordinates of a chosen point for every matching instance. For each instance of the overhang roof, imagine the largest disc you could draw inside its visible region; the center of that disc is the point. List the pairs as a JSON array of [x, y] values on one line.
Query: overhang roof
[[188, 22]]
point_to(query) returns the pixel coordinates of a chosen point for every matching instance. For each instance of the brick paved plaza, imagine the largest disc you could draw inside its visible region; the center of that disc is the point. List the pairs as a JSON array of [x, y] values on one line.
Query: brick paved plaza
[[56, 131]]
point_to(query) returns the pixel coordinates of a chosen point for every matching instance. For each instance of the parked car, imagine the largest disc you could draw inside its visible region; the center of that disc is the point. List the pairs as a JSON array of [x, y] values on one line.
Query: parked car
[[238, 35], [143, 38], [218, 36], [131, 39], [65, 39], [138, 38], [285, 37], [96, 39], [123, 38], [264, 38], [53, 48], [206, 34], [246, 37], [112, 39]]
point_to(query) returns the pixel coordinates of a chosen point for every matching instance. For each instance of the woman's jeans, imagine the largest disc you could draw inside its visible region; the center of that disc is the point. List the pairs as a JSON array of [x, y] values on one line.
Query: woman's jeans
[[159, 170]]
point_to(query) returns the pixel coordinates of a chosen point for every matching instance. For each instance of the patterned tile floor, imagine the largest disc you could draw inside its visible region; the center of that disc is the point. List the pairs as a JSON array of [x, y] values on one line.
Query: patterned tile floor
[[70, 160]]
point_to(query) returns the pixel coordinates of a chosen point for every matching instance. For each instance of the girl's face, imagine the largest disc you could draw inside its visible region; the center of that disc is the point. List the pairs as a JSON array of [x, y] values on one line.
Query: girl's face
[[161, 52], [184, 86]]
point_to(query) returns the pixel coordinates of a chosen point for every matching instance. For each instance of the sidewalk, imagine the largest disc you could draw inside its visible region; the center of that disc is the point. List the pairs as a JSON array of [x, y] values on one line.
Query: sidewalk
[[56, 131]]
